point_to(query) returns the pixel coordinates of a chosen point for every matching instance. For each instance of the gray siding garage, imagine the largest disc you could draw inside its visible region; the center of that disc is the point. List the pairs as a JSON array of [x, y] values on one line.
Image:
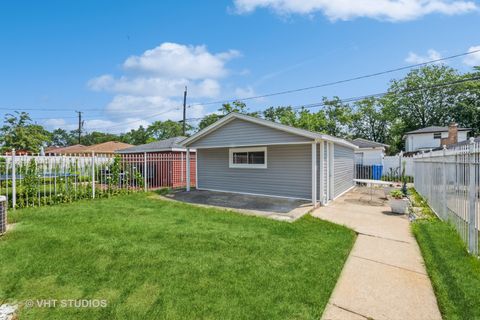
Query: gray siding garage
[[248, 155], [288, 172], [344, 162]]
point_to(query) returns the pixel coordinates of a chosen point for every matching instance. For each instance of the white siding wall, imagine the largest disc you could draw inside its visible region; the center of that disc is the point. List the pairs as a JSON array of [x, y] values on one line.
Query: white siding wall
[[343, 161], [426, 141], [288, 172], [370, 156]]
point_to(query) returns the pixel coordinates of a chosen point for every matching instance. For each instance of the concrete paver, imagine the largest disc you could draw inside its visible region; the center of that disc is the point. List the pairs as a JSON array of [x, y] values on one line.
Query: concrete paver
[[384, 276]]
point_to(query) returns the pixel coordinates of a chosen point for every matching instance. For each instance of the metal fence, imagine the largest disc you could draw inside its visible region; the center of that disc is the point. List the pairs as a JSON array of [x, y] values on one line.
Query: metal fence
[[36, 180], [449, 180], [393, 168]]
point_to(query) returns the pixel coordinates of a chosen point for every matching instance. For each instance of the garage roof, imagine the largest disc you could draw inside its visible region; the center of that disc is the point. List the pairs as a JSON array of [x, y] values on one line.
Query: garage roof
[[171, 144], [271, 124]]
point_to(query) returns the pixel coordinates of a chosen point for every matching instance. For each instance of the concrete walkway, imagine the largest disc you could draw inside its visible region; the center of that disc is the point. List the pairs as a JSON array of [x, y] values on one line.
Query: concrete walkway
[[384, 276]]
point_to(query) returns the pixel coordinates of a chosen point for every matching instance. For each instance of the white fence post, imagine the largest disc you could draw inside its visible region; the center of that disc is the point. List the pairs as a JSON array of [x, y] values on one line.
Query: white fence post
[[14, 181], [472, 194], [187, 156], [145, 172], [93, 175], [444, 182], [400, 165]]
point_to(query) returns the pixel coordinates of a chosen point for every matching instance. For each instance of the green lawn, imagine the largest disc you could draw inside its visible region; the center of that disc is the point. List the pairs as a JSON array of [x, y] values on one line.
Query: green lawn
[[454, 273], [153, 259]]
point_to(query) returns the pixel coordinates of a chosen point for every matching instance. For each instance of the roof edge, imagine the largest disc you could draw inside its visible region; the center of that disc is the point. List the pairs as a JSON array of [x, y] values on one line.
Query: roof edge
[[274, 125]]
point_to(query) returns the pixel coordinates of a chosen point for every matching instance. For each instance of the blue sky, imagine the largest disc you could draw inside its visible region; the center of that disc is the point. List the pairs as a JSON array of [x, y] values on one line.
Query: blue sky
[[125, 63]]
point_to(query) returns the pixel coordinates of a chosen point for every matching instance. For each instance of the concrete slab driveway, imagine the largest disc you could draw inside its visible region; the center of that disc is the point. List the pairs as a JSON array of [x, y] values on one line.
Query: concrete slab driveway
[[270, 207], [384, 276]]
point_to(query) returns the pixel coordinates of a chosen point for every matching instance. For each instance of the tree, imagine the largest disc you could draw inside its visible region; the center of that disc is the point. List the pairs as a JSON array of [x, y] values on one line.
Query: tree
[[235, 106], [284, 115], [161, 130], [339, 117], [136, 137], [368, 121], [208, 120], [18, 132], [96, 137], [467, 106], [61, 138], [419, 101]]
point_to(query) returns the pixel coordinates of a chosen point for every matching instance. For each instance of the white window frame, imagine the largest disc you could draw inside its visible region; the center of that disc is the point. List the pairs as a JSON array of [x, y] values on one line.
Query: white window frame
[[247, 165]]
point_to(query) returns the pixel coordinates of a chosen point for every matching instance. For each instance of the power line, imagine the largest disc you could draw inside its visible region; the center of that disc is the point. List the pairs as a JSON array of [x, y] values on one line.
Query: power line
[[138, 120], [374, 95], [327, 84], [332, 83], [43, 109]]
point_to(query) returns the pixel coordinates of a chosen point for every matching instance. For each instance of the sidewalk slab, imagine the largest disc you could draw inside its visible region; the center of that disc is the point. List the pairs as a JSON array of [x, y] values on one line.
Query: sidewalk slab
[[395, 253], [334, 312], [384, 276], [379, 291]]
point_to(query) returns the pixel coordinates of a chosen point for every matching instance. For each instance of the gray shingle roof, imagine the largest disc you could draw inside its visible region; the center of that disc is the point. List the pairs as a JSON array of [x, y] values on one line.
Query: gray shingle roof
[[157, 146], [364, 143], [434, 129]]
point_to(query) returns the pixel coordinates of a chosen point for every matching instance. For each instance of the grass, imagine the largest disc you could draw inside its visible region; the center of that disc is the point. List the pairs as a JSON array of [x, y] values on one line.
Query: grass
[[153, 259], [455, 274]]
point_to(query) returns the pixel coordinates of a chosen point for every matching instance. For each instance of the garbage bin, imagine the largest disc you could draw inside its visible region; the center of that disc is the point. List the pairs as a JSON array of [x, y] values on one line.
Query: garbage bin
[[377, 172]]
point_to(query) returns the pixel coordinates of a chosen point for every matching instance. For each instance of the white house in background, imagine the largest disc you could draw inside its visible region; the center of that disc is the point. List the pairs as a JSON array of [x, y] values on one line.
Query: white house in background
[[369, 152], [434, 137]]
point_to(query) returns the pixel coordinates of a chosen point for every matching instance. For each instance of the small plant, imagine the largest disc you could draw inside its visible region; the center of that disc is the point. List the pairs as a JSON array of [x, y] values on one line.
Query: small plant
[[397, 194]]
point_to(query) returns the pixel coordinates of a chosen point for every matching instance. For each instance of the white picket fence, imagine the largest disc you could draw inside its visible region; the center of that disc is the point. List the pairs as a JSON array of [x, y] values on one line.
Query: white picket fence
[[450, 180]]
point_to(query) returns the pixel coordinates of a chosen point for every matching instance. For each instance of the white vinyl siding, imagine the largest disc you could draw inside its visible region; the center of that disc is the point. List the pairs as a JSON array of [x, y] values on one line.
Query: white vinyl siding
[[289, 172], [238, 133], [343, 161]]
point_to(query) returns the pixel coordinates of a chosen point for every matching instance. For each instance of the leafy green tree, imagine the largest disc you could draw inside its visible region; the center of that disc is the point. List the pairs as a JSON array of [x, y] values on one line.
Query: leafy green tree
[[419, 101], [283, 115], [339, 117], [61, 138], [161, 130], [136, 137], [467, 107], [235, 106], [369, 121], [18, 132], [208, 120], [96, 137]]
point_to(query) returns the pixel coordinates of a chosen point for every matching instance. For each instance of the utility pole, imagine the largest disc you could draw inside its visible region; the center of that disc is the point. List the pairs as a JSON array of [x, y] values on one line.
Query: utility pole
[[184, 110], [79, 126]]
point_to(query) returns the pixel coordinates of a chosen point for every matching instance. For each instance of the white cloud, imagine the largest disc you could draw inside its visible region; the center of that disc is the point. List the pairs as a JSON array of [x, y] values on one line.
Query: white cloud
[[113, 126], [391, 10], [244, 92], [172, 60], [153, 84], [474, 58], [431, 55], [56, 123]]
